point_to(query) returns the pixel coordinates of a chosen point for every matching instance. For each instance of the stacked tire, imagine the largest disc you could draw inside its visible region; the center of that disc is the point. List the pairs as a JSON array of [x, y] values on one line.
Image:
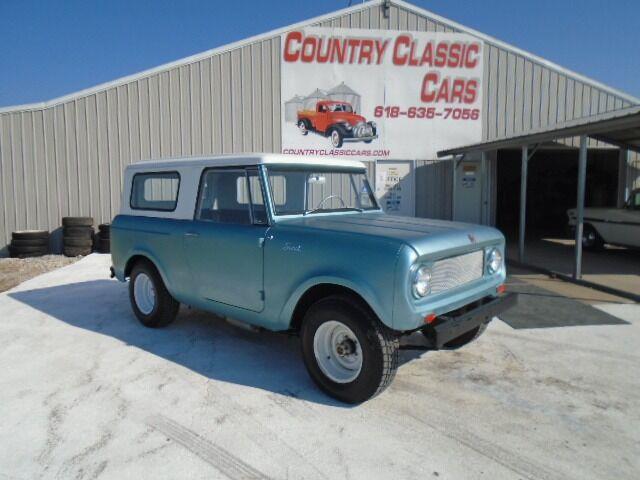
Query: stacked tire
[[103, 239], [29, 243], [77, 237]]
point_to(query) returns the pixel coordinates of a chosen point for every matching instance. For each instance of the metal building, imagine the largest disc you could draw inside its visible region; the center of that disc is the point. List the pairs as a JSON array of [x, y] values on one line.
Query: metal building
[[66, 156]]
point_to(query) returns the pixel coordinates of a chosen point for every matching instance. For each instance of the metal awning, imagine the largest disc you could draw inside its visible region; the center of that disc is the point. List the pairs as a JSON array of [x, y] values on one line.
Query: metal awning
[[620, 128]]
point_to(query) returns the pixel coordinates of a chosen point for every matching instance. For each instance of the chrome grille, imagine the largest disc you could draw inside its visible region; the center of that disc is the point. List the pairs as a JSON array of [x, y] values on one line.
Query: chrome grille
[[452, 272]]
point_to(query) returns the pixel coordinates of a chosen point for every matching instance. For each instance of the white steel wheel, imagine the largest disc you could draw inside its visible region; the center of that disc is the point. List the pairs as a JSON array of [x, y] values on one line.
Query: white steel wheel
[[335, 138], [144, 293], [337, 351], [302, 126]]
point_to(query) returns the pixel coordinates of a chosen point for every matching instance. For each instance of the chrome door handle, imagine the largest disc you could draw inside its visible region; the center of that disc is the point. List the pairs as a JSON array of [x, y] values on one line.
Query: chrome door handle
[[191, 234]]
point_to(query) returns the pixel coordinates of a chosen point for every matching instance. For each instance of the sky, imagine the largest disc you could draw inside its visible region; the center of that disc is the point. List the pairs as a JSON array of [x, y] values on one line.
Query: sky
[[55, 47]]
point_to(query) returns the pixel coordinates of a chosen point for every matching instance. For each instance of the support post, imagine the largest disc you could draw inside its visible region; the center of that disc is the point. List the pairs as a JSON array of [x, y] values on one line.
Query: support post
[[483, 189], [623, 188], [582, 180], [523, 202]]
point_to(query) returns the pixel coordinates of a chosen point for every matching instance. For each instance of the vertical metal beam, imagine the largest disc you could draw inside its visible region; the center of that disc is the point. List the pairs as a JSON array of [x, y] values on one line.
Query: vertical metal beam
[[623, 167], [483, 189], [523, 201], [582, 180]]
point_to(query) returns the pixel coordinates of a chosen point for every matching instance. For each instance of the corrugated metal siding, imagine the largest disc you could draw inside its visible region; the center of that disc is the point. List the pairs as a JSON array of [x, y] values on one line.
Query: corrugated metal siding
[[434, 188], [67, 159]]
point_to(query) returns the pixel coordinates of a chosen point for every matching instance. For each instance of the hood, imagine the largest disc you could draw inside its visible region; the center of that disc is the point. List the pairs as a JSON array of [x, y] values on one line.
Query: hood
[[351, 118], [426, 236]]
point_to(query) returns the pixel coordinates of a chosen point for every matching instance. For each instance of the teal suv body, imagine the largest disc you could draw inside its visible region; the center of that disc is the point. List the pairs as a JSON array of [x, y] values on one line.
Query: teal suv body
[[300, 245]]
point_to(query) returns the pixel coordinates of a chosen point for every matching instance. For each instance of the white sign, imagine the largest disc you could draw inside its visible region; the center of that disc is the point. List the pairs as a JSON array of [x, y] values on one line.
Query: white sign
[[394, 187], [379, 94]]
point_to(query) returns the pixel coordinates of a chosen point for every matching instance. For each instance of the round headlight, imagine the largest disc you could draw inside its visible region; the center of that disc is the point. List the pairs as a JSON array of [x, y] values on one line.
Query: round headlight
[[422, 282], [494, 261]]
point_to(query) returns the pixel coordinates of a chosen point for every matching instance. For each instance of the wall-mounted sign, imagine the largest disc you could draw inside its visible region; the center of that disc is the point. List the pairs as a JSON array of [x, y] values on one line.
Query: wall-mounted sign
[[379, 94]]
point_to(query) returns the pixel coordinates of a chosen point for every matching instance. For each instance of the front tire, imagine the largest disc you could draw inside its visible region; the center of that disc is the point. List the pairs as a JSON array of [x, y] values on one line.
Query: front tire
[[336, 137], [591, 239], [151, 301], [349, 354]]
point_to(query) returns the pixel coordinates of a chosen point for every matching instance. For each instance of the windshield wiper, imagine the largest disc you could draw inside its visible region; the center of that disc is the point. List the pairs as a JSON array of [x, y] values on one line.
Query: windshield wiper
[[343, 209]]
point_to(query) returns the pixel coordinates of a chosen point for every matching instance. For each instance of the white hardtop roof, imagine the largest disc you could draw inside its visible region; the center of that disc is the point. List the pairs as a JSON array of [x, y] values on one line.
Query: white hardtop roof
[[241, 159]]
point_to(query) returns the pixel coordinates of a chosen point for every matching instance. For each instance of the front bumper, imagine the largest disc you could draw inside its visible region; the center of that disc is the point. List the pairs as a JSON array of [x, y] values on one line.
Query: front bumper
[[447, 327], [359, 139]]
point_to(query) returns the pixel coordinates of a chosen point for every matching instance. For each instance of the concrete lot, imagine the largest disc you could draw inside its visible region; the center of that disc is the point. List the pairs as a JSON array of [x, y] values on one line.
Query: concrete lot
[[87, 392], [614, 267]]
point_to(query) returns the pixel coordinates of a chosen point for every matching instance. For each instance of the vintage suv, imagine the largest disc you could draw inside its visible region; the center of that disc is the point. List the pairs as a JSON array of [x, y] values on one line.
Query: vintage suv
[[338, 121], [300, 245]]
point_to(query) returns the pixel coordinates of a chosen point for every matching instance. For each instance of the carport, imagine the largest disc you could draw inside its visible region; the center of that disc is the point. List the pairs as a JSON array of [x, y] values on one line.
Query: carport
[[619, 128]]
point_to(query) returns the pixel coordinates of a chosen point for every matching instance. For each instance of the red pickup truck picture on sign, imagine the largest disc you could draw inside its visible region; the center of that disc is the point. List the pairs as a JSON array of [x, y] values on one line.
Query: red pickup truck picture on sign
[[338, 121]]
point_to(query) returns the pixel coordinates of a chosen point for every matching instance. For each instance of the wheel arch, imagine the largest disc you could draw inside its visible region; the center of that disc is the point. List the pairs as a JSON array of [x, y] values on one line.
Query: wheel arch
[[298, 306], [144, 257]]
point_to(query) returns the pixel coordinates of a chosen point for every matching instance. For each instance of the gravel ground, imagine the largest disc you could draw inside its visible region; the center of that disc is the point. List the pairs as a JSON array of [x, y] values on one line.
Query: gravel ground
[[14, 271]]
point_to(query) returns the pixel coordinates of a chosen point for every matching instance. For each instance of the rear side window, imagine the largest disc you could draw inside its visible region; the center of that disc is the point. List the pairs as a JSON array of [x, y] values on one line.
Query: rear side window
[[155, 191]]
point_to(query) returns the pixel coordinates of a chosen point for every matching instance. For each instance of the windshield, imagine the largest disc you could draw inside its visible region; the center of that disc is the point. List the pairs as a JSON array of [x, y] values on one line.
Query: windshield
[[341, 107], [305, 191]]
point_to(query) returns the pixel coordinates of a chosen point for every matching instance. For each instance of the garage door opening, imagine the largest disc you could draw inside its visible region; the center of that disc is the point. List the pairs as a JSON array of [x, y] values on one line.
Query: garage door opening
[[551, 189]]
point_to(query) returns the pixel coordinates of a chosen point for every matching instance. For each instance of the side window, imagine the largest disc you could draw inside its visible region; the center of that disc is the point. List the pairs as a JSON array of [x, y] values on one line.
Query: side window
[[155, 191], [635, 200], [220, 200], [249, 191]]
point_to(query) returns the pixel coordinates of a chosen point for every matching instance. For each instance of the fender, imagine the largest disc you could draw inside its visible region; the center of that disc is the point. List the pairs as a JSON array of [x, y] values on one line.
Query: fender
[[362, 288], [146, 252]]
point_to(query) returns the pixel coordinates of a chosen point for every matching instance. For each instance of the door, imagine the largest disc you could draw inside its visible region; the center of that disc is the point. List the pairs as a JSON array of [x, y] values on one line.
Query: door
[[322, 118], [224, 245], [395, 187], [468, 201]]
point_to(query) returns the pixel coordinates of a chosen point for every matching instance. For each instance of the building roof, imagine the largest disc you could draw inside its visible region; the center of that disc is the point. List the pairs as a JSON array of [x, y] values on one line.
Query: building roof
[[617, 127], [314, 21], [233, 160]]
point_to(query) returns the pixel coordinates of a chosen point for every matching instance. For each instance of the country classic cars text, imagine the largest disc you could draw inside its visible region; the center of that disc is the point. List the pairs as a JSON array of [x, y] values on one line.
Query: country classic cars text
[[403, 51]]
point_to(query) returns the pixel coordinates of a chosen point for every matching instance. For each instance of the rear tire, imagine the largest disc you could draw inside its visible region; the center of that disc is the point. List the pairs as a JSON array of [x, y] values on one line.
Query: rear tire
[[151, 301], [303, 127], [349, 354]]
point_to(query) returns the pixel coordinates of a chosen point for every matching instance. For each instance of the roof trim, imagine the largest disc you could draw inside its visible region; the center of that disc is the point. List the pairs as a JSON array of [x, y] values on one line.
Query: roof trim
[[233, 160], [273, 33], [594, 125]]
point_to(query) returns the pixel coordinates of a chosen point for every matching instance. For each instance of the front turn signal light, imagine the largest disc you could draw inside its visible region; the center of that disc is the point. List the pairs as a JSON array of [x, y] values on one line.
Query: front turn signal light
[[430, 318]]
